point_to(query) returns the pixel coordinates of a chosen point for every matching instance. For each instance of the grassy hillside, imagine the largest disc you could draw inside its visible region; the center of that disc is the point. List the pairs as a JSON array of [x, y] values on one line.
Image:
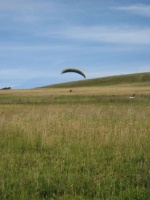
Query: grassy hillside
[[107, 81]]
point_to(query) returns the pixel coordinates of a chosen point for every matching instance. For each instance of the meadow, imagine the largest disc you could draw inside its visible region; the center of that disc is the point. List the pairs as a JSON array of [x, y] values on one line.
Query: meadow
[[91, 144]]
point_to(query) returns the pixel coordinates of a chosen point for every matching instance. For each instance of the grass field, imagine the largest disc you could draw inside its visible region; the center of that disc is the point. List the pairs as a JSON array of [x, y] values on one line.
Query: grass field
[[92, 143]]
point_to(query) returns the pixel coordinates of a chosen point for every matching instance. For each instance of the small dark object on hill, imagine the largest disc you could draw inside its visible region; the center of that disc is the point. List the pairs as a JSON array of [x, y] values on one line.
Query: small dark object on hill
[[70, 91]]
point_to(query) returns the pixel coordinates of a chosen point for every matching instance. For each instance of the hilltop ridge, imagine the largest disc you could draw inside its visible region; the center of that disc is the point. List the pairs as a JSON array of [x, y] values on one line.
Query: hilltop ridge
[[137, 78]]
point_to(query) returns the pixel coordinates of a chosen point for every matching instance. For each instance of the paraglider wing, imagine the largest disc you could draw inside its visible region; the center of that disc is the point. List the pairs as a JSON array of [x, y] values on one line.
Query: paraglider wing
[[74, 70]]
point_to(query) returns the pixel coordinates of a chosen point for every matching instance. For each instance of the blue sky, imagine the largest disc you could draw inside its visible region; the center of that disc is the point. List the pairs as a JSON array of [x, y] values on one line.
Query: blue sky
[[39, 38]]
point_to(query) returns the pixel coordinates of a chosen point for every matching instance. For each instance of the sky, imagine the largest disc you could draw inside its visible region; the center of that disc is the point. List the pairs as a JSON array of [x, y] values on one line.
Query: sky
[[40, 38]]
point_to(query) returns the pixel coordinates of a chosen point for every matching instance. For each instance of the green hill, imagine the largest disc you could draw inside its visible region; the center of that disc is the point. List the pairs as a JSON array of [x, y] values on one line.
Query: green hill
[[138, 78]]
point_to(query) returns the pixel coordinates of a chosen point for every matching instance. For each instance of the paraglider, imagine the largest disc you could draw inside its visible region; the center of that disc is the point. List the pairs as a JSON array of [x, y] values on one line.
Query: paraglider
[[74, 70]]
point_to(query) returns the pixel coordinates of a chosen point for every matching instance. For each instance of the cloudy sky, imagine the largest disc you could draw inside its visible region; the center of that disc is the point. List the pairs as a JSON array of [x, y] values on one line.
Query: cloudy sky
[[39, 38]]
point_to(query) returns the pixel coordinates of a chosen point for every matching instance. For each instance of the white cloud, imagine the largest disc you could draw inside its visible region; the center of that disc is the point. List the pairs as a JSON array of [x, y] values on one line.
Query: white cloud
[[23, 47], [123, 35], [27, 6], [85, 38], [29, 10], [139, 9], [24, 74]]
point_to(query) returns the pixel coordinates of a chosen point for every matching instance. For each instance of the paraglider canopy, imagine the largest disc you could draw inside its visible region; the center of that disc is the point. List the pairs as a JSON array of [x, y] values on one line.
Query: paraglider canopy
[[74, 70]]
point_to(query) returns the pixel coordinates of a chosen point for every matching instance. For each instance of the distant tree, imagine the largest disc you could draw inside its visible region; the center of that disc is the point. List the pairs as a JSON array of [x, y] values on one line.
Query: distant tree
[[6, 88]]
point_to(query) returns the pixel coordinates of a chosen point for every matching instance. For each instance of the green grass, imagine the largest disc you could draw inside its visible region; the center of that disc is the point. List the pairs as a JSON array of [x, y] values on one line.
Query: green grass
[[141, 99], [74, 151]]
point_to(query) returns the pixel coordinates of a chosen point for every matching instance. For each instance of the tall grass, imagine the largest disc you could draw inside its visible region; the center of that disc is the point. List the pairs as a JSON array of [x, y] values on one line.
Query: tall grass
[[74, 150]]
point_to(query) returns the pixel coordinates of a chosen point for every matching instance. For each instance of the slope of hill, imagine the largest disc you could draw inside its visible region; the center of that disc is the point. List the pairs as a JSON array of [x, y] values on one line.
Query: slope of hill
[[138, 78]]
